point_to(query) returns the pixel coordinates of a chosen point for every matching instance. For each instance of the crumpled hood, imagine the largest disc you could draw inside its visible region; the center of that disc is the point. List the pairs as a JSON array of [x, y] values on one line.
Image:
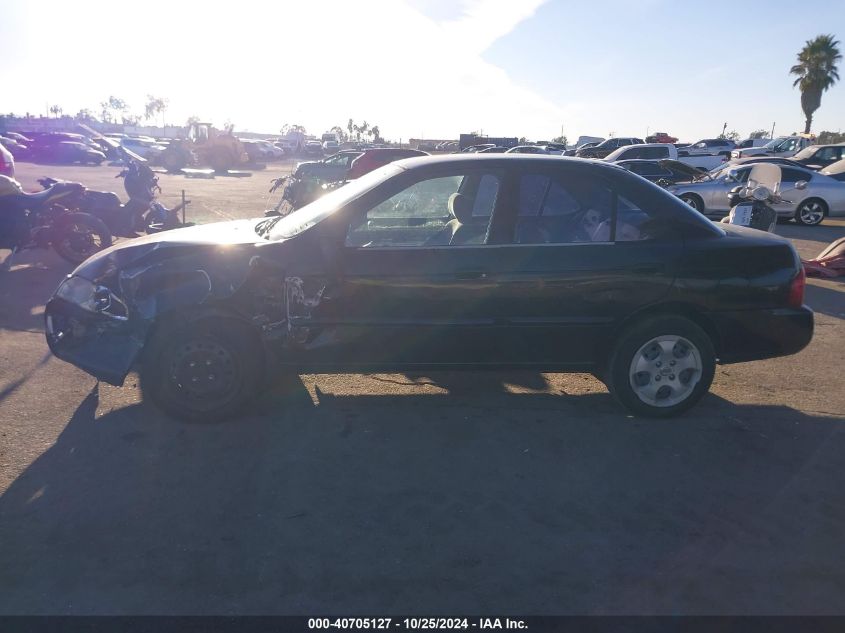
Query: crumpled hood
[[221, 238]]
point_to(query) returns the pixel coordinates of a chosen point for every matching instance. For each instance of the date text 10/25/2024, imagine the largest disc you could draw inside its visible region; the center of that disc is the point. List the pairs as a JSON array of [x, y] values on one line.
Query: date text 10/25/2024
[[360, 624]]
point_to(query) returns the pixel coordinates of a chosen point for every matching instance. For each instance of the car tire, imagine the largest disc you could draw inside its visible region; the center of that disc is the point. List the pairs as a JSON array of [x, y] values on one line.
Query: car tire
[[811, 212], [661, 366], [694, 201], [204, 369]]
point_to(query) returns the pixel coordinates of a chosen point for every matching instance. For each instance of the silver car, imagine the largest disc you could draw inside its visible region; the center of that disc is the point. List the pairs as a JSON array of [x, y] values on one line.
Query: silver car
[[822, 196]]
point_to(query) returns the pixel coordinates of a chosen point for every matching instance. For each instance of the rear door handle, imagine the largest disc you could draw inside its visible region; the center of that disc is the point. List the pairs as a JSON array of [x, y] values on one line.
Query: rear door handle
[[470, 274]]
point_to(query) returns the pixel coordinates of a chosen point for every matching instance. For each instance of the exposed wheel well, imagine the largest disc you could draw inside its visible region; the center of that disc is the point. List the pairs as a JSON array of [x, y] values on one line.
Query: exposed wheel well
[[171, 321]]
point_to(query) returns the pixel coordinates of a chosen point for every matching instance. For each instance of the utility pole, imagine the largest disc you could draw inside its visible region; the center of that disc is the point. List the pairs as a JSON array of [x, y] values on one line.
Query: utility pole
[[773, 129]]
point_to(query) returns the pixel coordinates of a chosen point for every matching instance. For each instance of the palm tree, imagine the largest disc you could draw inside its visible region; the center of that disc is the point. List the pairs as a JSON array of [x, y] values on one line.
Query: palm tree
[[816, 71]]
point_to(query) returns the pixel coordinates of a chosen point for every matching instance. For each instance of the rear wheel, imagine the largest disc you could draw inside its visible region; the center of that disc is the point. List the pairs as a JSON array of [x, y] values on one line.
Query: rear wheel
[[694, 201], [204, 370], [811, 212], [661, 366], [80, 235]]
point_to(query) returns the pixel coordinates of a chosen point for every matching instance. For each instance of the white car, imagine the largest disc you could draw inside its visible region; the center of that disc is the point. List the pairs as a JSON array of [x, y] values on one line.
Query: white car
[[823, 195], [709, 147], [148, 149], [783, 146], [331, 146]]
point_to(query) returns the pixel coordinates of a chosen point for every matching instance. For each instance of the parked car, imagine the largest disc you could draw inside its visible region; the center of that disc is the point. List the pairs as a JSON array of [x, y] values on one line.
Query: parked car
[[20, 138], [373, 158], [331, 146], [835, 171], [752, 142], [477, 148], [657, 151], [286, 145], [776, 160], [454, 262], [784, 146], [663, 172], [330, 169], [496, 149], [313, 148], [148, 149], [661, 137], [16, 148], [606, 147], [822, 196], [256, 152], [527, 149], [709, 147], [7, 162], [820, 156], [67, 152]]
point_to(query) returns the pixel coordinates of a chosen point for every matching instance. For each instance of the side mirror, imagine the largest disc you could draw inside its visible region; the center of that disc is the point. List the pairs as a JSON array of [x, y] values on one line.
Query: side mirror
[[801, 185], [733, 175]]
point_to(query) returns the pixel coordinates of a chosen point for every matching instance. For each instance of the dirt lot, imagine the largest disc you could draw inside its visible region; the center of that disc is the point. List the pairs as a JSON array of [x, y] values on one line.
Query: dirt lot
[[452, 493]]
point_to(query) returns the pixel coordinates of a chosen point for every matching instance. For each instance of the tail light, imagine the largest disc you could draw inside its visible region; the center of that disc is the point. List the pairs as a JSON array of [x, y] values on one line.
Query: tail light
[[796, 288]]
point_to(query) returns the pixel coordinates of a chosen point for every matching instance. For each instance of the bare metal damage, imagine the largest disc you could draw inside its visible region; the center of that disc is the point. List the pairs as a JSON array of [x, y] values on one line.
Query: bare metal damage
[[159, 281]]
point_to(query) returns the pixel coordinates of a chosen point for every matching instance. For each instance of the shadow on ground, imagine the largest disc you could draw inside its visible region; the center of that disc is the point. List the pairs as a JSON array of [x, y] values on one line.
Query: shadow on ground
[[479, 501]]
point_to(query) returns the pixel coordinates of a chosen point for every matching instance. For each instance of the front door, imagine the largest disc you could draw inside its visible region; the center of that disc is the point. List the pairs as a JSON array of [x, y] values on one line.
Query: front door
[[414, 282]]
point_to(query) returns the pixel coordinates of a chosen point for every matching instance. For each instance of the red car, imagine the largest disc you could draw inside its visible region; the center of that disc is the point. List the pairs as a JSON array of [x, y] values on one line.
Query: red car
[[374, 158], [661, 137]]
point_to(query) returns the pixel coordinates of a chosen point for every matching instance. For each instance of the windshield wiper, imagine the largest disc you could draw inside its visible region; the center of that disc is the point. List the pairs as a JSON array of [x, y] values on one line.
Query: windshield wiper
[[265, 226]]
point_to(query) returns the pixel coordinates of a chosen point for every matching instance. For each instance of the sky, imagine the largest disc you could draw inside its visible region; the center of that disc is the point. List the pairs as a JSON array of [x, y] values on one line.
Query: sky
[[428, 68]]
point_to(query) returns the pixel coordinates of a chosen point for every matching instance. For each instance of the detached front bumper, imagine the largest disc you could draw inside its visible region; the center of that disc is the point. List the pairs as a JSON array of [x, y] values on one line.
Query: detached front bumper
[[101, 345], [757, 334]]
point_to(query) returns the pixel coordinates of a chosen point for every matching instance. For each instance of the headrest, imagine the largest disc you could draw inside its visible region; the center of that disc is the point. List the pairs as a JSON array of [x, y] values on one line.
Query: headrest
[[460, 207]]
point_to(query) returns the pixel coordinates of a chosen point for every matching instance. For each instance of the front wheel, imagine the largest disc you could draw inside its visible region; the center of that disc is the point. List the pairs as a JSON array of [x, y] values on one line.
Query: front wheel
[[661, 366], [204, 370], [80, 235], [810, 212]]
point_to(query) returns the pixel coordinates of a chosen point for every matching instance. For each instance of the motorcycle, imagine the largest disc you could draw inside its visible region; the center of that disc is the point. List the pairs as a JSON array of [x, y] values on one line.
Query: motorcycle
[[141, 213], [41, 220], [751, 202], [298, 192]]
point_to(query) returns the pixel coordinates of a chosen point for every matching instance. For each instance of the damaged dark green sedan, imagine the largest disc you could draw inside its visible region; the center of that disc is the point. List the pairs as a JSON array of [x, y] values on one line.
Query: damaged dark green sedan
[[476, 262]]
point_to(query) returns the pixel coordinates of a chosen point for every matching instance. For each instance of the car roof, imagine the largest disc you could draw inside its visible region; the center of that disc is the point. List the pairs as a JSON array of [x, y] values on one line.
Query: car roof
[[501, 160]]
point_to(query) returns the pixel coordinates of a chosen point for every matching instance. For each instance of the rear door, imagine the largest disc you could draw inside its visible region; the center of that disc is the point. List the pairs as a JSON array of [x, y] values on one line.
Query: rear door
[[583, 254]]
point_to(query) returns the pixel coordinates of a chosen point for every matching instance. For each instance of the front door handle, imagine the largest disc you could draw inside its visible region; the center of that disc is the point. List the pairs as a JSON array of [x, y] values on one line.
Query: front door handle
[[470, 274]]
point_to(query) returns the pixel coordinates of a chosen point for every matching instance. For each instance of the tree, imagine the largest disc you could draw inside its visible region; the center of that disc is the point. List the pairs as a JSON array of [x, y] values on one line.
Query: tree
[[350, 127], [112, 107], [56, 110], [816, 71], [192, 120], [85, 115], [733, 135], [339, 133], [759, 134], [376, 133], [287, 129], [562, 140], [829, 138], [154, 106]]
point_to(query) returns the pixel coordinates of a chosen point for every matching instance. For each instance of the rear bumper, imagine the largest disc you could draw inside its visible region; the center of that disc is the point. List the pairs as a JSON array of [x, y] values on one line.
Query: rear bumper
[[757, 334]]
